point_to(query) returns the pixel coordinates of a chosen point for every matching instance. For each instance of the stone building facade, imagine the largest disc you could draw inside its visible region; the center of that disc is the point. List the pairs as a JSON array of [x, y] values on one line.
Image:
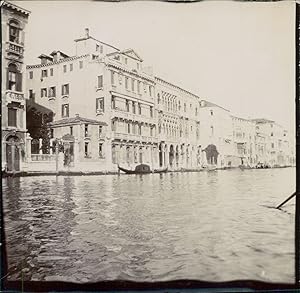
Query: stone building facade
[[110, 109], [13, 23]]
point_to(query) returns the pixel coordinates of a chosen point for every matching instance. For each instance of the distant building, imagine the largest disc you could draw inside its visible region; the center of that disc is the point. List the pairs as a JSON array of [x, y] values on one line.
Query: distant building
[[276, 143], [244, 138], [216, 133], [14, 21]]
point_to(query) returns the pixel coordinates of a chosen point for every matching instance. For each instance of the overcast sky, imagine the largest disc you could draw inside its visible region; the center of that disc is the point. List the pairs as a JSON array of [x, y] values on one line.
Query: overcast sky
[[238, 55]]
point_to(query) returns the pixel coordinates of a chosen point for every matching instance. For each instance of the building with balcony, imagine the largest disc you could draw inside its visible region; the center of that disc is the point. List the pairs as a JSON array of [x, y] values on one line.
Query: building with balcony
[[109, 109], [178, 126], [14, 20], [100, 87], [276, 143]]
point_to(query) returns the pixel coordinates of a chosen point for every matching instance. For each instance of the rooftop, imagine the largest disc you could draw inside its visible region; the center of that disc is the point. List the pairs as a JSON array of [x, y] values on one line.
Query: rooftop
[[262, 120]]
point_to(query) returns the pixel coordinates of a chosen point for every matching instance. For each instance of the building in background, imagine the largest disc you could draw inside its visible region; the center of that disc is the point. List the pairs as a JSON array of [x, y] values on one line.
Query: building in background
[[14, 20], [243, 132], [178, 126], [216, 135]]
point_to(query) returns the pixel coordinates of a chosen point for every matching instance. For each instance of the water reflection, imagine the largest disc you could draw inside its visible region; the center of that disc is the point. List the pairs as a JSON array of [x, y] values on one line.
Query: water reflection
[[210, 226]]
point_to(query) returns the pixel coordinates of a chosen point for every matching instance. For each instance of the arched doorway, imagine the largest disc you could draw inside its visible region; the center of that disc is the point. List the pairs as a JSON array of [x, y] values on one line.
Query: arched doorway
[[13, 149], [171, 155], [160, 149]]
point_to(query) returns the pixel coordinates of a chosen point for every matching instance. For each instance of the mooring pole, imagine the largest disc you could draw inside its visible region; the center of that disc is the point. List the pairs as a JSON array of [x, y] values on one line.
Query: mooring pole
[[290, 197], [56, 156]]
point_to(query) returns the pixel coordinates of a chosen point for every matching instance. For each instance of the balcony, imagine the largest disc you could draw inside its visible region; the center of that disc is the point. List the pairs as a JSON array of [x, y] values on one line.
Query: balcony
[[134, 137], [135, 117], [15, 49], [14, 96]]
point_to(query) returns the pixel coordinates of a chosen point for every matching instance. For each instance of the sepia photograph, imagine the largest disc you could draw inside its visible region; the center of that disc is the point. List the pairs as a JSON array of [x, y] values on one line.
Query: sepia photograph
[[148, 141]]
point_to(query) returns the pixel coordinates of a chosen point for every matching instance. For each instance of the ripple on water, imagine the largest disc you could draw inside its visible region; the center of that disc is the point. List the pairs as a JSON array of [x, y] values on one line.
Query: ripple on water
[[212, 226]]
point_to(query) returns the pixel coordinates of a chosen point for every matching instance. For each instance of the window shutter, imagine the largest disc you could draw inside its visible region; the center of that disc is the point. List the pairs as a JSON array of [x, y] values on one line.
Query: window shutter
[[62, 89]]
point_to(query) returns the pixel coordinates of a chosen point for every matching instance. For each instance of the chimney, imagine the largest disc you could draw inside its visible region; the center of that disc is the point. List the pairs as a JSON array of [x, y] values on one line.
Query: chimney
[[87, 33], [77, 115]]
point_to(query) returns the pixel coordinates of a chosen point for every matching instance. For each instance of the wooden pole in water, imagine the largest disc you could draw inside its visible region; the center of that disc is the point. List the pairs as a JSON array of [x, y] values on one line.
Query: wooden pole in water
[[278, 207]]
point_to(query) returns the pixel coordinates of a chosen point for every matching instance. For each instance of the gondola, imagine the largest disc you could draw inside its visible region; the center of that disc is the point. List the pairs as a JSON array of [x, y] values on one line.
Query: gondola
[[142, 169]]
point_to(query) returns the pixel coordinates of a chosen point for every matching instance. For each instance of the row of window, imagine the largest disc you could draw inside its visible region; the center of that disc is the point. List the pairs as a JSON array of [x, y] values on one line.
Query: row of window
[[51, 92], [45, 72], [132, 84], [87, 152]]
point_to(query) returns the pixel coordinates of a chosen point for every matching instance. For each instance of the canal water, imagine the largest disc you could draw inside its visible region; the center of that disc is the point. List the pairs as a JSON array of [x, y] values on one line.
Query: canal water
[[213, 226]]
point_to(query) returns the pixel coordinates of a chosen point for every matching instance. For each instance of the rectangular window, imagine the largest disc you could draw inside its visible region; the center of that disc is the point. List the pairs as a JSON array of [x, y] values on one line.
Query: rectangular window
[[101, 150], [100, 104], [138, 66], [101, 49], [71, 130], [150, 90], [112, 77], [71, 67], [140, 108], [126, 61], [128, 127], [43, 92], [80, 64], [132, 84], [65, 68], [30, 74], [12, 80], [52, 133], [44, 73], [133, 107], [139, 87], [113, 102], [65, 89], [151, 131], [100, 130], [86, 130], [14, 34], [126, 82], [65, 110], [151, 111], [113, 125], [140, 130], [52, 91], [51, 71], [86, 149], [100, 81], [97, 48], [31, 95], [184, 107], [12, 117], [127, 105]]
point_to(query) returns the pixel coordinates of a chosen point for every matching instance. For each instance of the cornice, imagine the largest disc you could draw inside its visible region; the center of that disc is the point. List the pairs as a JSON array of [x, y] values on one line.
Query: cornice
[[56, 62]]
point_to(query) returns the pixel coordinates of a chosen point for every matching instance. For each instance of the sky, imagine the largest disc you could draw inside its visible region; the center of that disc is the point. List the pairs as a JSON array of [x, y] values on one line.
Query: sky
[[236, 54]]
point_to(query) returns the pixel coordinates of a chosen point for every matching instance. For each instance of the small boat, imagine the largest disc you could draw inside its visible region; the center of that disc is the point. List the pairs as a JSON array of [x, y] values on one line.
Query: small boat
[[211, 168], [142, 169], [244, 167]]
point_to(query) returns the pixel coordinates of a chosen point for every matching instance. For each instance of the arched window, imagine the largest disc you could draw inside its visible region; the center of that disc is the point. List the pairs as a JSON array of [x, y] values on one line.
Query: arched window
[[14, 78], [14, 31]]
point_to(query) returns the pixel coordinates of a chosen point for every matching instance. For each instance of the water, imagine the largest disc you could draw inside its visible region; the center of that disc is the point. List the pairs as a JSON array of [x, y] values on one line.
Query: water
[[213, 226]]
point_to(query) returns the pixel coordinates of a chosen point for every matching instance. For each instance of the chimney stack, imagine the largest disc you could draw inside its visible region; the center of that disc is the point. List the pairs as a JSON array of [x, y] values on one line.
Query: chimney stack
[[87, 33]]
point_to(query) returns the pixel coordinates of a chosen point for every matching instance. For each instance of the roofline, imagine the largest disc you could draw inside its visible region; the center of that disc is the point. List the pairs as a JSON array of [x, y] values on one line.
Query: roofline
[[214, 105], [245, 119], [56, 62], [159, 79], [130, 50], [16, 7], [82, 39]]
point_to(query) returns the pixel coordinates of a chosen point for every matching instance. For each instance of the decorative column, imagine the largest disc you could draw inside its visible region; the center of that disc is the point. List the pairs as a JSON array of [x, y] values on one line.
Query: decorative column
[[28, 147], [40, 146], [51, 146]]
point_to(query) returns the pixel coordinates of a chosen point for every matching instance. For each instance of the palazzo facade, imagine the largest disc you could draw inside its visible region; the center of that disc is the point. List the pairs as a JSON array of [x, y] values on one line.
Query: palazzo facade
[[110, 109], [13, 22]]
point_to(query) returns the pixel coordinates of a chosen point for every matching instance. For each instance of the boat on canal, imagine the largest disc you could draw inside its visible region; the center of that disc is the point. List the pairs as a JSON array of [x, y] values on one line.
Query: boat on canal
[[142, 169]]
